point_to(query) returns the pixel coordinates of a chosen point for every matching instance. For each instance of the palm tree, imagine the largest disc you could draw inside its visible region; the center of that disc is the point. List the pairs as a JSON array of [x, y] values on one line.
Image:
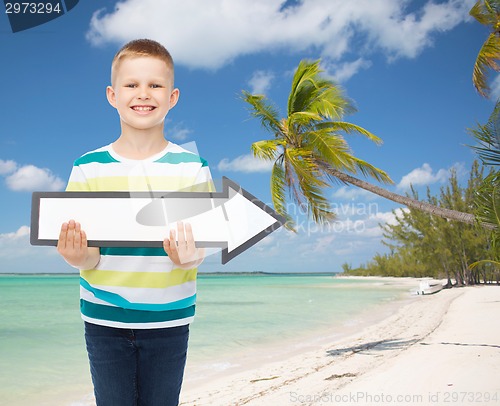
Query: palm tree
[[487, 12], [488, 195], [310, 153]]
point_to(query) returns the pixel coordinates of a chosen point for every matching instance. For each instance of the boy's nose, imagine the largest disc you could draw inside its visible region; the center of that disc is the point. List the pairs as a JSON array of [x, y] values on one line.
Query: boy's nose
[[143, 93]]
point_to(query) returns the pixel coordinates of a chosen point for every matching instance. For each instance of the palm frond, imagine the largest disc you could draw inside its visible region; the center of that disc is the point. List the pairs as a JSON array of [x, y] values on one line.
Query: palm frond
[[369, 170], [349, 128], [315, 93], [298, 98], [302, 161], [329, 101], [488, 136], [311, 184], [357, 165], [488, 201], [303, 118], [264, 111], [318, 205], [486, 11], [331, 149], [486, 59], [278, 185], [267, 149]]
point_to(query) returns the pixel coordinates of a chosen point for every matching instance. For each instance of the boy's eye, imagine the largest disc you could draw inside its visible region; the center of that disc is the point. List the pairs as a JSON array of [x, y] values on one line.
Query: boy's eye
[[155, 86], [131, 85]]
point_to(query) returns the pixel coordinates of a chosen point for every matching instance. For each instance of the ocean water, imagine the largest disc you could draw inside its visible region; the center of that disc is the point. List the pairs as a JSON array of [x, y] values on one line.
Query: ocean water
[[42, 351]]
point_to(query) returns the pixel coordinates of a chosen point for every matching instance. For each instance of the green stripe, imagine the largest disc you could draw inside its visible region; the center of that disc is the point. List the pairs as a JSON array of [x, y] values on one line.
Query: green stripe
[[77, 187], [181, 157], [102, 312], [135, 251], [151, 280], [102, 157]]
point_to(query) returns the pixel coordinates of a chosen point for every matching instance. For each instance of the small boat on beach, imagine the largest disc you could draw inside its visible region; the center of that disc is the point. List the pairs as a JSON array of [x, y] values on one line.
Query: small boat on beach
[[428, 287]]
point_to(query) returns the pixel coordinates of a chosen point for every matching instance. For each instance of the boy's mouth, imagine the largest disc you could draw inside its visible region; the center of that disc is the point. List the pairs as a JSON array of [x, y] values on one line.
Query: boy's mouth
[[143, 108]]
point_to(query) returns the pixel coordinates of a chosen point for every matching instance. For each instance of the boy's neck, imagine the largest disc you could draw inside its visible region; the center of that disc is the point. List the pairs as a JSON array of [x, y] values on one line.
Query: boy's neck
[[140, 145]]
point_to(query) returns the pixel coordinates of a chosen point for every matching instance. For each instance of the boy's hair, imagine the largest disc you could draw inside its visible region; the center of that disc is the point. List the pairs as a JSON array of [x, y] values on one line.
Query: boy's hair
[[142, 47]]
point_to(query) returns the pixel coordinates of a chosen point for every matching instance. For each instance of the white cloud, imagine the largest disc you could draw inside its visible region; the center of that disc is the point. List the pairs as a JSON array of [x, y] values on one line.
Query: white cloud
[[406, 35], [260, 82], [341, 72], [16, 235], [426, 176], [179, 132], [389, 217], [245, 163], [214, 34], [31, 178], [353, 193], [7, 167], [14, 245], [18, 256]]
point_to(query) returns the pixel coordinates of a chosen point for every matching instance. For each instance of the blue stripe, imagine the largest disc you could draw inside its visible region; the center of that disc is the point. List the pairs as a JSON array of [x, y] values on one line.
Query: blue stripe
[[102, 157], [120, 301], [135, 251], [180, 158], [101, 312]]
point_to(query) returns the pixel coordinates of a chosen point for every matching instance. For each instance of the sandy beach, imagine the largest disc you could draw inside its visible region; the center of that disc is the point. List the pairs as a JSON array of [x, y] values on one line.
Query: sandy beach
[[439, 349]]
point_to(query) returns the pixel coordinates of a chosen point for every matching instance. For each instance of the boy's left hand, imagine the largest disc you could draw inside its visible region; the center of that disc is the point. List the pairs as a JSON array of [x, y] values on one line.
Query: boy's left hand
[[183, 253]]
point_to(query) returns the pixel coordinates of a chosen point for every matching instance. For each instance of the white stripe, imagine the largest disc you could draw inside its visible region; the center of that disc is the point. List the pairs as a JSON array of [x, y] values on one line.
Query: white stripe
[[117, 324], [132, 263], [141, 169], [144, 295]]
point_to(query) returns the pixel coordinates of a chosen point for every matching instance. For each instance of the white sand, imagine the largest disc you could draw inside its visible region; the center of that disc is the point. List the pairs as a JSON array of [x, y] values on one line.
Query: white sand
[[442, 349]]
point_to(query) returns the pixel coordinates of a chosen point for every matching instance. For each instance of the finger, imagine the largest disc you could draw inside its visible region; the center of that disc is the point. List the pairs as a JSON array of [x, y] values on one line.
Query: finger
[[180, 234], [61, 243], [84, 239], [190, 244], [173, 251], [167, 248], [70, 236], [173, 244], [167, 242], [78, 239], [189, 233]]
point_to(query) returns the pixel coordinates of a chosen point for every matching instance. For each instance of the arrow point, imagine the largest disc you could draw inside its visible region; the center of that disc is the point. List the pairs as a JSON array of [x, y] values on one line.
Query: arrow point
[[249, 220]]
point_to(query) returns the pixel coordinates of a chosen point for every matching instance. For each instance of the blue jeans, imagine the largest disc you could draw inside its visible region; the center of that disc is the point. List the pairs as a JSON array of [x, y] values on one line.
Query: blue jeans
[[136, 367]]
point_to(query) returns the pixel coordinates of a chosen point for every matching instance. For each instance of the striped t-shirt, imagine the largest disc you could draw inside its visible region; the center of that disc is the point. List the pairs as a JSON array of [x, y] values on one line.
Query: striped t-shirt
[[138, 287]]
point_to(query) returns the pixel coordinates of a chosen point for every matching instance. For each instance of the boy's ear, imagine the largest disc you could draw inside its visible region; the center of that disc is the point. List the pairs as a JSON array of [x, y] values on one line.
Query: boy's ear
[[110, 95], [174, 97]]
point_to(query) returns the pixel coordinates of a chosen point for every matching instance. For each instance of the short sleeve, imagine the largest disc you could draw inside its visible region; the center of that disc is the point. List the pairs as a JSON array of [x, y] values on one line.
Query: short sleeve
[[77, 181]]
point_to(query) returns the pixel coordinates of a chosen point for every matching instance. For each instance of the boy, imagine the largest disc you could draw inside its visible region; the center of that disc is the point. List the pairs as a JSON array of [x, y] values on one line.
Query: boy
[[137, 303]]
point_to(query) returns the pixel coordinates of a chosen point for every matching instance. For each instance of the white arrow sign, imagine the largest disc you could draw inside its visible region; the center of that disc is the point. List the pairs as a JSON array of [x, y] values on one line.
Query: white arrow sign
[[233, 219]]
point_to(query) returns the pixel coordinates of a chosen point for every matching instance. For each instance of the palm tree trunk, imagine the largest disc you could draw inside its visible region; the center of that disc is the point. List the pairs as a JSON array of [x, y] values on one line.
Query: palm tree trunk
[[408, 201]]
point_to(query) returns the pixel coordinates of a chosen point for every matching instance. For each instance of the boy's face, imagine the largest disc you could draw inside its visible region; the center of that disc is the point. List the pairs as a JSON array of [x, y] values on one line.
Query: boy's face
[[142, 93]]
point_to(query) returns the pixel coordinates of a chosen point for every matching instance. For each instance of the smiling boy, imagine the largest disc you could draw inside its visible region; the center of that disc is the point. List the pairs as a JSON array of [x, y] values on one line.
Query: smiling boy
[[137, 303]]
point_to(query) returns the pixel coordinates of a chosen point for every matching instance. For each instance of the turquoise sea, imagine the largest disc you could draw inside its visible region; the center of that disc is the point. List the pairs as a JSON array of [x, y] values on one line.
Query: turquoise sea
[[42, 351]]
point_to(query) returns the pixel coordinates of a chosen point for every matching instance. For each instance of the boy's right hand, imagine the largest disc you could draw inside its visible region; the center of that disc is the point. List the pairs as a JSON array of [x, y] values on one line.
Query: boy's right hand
[[72, 245]]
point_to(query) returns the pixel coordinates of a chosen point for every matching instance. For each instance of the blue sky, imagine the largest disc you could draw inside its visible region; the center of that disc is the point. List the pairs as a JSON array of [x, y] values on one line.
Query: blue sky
[[406, 64]]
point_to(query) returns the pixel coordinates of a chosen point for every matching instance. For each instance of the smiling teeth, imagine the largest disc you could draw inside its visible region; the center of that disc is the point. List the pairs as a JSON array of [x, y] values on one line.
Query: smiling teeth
[[143, 108]]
